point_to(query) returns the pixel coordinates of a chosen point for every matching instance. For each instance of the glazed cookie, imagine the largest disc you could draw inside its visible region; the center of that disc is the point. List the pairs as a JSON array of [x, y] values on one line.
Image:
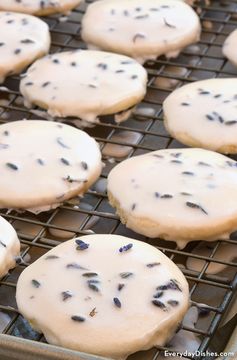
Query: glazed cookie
[[142, 29], [137, 297], [23, 38], [39, 7], [204, 114], [9, 247], [229, 47], [176, 194], [85, 84], [44, 163]]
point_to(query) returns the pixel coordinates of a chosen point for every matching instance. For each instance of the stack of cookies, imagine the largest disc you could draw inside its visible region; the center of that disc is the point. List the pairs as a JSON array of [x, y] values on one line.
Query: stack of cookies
[[104, 294]]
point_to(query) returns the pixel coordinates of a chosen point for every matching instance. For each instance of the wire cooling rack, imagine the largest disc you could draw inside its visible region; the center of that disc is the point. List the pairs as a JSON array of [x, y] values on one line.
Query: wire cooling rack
[[40, 233]]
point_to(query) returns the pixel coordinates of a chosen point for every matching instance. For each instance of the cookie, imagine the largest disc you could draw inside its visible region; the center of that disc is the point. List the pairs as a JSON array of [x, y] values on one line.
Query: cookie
[[44, 163], [203, 114], [23, 38], [229, 47], [176, 194], [39, 7], [142, 29], [9, 247], [85, 84], [137, 297]]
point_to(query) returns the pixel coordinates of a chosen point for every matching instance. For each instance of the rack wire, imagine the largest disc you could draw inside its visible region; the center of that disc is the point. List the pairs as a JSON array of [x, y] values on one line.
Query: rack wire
[[40, 233]]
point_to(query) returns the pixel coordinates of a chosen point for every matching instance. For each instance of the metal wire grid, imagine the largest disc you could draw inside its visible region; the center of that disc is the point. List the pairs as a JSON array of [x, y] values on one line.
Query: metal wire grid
[[37, 233]]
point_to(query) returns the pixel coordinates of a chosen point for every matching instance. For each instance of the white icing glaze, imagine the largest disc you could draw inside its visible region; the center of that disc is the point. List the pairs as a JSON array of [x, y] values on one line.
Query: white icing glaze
[[225, 252], [229, 47], [142, 29], [37, 179], [176, 194], [9, 246], [39, 7], [85, 84], [23, 39], [137, 325], [203, 114]]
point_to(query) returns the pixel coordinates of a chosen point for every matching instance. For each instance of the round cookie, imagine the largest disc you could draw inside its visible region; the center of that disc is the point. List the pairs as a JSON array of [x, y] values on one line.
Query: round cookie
[[229, 47], [142, 29], [9, 247], [44, 163], [137, 297], [85, 84], [204, 114], [23, 38], [39, 7], [176, 194]]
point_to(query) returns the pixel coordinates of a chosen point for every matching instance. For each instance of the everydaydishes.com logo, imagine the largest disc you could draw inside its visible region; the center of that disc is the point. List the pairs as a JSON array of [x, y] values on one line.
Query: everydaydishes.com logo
[[186, 353]]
